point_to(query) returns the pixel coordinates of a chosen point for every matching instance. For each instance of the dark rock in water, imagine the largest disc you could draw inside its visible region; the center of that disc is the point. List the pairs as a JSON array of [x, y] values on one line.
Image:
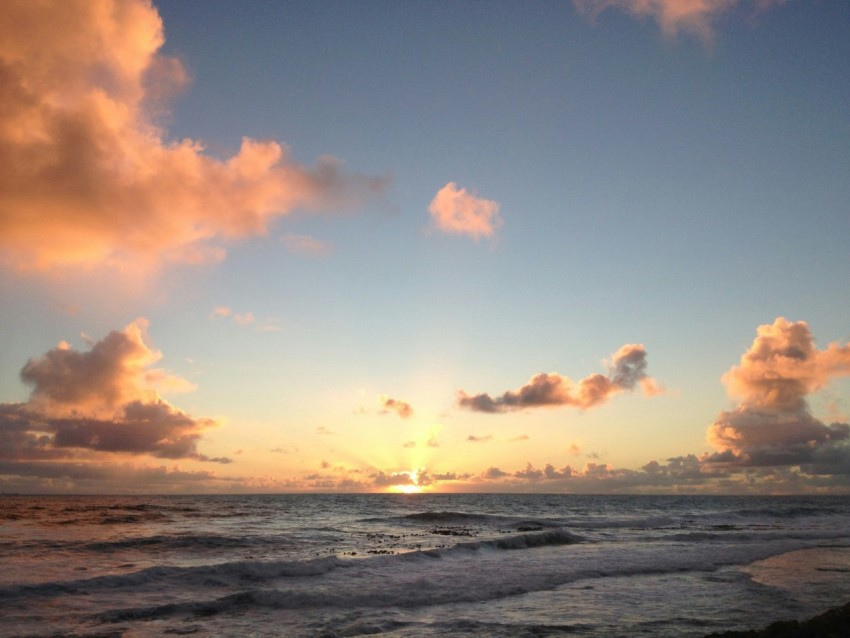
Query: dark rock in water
[[834, 623]]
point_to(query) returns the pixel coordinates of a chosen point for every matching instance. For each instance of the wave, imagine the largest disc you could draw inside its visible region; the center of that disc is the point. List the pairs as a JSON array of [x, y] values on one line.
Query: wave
[[244, 572], [215, 575], [448, 519], [514, 542], [464, 573]]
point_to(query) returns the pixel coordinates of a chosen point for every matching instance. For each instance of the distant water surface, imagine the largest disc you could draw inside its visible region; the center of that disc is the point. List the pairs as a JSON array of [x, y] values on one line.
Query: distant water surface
[[417, 565]]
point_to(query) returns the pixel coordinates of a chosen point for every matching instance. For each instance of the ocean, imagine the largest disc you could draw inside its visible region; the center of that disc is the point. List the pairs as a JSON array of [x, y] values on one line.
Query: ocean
[[417, 565]]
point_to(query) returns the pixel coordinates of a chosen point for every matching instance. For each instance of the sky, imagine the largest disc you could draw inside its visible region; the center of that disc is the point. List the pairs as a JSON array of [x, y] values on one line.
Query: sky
[[586, 247]]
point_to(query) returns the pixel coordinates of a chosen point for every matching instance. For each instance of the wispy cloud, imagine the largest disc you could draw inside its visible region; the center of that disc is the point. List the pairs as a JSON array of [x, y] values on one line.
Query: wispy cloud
[[456, 211], [305, 245], [87, 175], [626, 371], [673, 16], [263, 324]]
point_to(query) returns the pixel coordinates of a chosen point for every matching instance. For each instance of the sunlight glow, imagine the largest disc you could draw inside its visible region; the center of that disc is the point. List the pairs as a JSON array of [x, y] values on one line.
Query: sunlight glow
[[406, 489]]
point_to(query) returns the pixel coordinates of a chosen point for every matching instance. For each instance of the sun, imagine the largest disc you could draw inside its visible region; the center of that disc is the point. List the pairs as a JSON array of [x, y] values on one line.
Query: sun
[[406, 489]]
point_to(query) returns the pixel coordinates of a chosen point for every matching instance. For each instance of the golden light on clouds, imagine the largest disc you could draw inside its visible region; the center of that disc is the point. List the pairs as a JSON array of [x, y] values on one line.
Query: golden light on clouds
[[87, 175]]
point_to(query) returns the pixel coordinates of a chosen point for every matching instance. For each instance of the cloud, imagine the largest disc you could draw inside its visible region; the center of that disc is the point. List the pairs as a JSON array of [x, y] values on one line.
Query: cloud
[[479, 439], [307, 246], [285, 449], [114, 372], [492, 473], [529, 473], [104, 400], [113, 478], [245, 319], [87, 175], [627, 370], [693, 16], [382, 479], [401, 408], [773, 425], [456, 211]]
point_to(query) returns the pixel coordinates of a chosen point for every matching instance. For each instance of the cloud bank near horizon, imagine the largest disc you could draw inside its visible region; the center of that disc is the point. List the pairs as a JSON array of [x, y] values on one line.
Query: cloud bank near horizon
[[88, 176]]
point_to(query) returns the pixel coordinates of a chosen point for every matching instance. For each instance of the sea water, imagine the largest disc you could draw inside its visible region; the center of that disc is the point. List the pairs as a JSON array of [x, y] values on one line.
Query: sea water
[[417, 565]]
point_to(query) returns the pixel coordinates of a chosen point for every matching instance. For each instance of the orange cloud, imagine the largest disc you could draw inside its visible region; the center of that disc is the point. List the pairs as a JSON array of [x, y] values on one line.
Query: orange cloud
[[673, 16], [773, 424], [102, 400], [627, 369], [456, 211], [88, 177]]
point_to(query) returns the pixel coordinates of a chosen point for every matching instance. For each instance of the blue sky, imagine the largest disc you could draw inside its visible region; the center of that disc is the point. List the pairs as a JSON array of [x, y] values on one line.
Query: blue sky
[[675, 187]]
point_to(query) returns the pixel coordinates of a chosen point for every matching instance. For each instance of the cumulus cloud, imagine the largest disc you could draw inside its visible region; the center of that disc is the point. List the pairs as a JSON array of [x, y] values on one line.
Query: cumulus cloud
[[454, 210], [87, 176], [101, 400], [492, 473], [626, 371], [773, 425], [401, 408], [692, 16]]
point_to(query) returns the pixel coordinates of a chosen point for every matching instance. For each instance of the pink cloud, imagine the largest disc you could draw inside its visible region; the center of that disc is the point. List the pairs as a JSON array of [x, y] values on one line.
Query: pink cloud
[[627, 369], [773, 424], [101, 400], [87, 176], [693, 16], [456, 211], [401, 408]]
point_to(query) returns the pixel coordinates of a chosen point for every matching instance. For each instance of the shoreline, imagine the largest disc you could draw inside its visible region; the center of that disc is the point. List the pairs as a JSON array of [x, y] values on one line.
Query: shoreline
[[834, 622]]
